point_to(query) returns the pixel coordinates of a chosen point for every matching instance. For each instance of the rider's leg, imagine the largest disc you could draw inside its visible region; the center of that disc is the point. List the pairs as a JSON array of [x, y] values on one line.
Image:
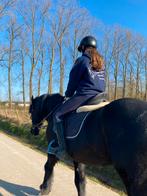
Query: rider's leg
[[68, 106], [61, 151]]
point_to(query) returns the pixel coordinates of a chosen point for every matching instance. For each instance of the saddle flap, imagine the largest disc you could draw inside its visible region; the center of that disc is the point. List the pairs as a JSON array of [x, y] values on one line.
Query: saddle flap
[[73, 124]]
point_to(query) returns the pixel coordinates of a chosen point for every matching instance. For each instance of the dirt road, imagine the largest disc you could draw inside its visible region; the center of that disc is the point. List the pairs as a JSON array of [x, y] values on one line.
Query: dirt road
[[21, 172]]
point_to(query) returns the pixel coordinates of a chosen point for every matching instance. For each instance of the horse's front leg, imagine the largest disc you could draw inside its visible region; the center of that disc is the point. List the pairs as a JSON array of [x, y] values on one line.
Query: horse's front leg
[[80, 181], [45, 187]]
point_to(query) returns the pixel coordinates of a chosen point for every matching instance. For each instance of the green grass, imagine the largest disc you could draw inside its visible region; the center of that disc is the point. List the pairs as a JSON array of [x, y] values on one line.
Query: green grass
[[23, 132], [106, 175]]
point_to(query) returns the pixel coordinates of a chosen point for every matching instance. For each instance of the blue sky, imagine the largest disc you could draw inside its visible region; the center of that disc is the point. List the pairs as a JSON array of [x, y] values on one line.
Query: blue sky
[[131, 14]]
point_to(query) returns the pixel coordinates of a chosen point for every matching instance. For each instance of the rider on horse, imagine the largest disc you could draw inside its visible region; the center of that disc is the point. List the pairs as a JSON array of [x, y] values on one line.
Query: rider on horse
[[86, 80]]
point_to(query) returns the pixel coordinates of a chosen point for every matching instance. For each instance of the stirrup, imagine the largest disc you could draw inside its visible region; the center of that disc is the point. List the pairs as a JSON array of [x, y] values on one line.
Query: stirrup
[[52, 150], [57, 151]]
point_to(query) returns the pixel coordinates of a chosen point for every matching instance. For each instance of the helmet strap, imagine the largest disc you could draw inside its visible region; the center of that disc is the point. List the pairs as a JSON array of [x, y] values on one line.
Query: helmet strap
[[83, 48]]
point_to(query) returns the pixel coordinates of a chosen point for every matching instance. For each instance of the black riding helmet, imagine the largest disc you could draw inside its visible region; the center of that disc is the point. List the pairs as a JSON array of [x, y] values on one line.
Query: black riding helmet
[[87, 41]]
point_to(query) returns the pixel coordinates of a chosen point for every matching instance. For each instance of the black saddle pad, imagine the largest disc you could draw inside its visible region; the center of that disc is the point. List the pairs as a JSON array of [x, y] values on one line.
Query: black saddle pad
[[73, 124]]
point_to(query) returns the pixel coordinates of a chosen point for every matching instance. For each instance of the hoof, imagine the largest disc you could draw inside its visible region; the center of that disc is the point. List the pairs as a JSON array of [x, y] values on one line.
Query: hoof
[[44, 190]]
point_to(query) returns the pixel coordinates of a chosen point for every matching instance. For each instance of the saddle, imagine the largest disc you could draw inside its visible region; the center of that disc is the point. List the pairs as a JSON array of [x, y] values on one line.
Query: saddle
[[95, 103]]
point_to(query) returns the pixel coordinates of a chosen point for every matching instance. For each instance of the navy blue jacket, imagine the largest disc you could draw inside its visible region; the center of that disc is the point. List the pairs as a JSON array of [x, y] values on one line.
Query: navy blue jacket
[[83, 80]]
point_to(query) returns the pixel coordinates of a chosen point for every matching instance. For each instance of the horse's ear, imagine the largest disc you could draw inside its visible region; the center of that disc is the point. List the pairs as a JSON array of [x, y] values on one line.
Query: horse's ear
[[32, 99]]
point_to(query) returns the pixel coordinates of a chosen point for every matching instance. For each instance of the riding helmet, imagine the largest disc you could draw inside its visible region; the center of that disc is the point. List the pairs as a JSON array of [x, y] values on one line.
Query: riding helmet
[[88, 41]]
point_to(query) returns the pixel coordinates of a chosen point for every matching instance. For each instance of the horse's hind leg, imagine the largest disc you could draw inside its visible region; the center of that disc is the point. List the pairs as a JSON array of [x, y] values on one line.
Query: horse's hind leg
[[139, 188], [80, 178], [136, 184], [45, 187]]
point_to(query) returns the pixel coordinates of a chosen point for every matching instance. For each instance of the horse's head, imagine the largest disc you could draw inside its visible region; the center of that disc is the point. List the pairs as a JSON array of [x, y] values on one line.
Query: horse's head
[[36, 116], [40, 109]]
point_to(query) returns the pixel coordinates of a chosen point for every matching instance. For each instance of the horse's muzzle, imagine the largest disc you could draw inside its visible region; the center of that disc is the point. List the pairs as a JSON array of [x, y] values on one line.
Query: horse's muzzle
[[35, 131]]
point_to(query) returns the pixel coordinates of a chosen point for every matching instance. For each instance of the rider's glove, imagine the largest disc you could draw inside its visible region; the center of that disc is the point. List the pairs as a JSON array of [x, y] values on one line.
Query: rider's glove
[[66, 98]]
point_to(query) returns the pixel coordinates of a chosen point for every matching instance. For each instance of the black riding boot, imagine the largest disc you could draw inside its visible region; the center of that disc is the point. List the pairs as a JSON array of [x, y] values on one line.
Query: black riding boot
[[60, 150]]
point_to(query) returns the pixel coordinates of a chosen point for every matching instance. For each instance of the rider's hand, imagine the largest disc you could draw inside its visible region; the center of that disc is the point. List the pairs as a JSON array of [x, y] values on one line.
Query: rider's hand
[[66, 98]]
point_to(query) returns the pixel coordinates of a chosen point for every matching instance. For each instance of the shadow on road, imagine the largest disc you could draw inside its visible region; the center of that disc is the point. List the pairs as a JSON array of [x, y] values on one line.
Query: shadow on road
[[16, 189]]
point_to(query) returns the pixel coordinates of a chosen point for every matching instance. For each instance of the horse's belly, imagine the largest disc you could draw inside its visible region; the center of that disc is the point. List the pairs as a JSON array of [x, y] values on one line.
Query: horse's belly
[[86, 154]]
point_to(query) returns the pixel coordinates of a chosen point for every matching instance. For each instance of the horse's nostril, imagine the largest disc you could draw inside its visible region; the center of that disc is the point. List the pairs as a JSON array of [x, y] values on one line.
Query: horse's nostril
[[32, 130], [35, 131]]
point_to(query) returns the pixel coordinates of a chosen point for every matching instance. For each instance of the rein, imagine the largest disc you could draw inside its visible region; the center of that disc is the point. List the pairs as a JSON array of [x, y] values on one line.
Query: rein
[[41, 122]]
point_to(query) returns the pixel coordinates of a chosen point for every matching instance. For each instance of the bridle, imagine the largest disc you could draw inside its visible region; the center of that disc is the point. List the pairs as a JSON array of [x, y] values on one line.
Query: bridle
[[38, 125]]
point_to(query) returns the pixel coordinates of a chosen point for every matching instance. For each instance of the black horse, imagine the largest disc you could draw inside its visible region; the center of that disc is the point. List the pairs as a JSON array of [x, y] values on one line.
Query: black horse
[[41, 109], [115, 134]]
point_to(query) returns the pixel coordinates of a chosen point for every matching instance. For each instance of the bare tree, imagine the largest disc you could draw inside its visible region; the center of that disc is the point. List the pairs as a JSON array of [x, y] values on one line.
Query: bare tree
[[50, 80], [107, 51], [125, 60], [5, 5], [81, 27], [23, 54], [131, 80], [60, 26], [13, 32], [40, 69], [117, 48], [138, 58], [31, 12], [23, 76]]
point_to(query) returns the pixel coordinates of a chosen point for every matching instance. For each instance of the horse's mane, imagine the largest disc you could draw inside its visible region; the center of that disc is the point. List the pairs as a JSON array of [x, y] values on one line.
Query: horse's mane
[[51, 100], [54, 98]]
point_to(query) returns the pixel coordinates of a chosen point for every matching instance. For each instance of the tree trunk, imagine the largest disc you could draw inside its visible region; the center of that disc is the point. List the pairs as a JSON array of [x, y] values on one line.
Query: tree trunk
[[9, 69], [137, 82], [75, 47], [23, 81], [30, 81], [9, 86], [51, 72], [115, 80], [40, 72], [131, 83], [124, 79], [61, 70]]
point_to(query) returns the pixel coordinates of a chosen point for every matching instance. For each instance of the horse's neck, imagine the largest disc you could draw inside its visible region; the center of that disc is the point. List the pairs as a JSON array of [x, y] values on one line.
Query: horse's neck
[[51, 102], [45, 109]]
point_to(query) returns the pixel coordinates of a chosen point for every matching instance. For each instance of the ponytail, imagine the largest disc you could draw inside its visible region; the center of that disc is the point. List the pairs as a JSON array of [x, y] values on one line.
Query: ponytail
[[97, 62]]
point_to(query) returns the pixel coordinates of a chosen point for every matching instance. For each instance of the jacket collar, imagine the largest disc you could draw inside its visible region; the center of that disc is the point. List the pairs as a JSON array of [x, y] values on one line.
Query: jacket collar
[[87, 55]]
